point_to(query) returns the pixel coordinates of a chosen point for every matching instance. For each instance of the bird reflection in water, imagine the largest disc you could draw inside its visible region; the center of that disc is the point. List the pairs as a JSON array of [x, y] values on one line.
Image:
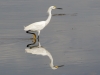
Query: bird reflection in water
[[39, 50]]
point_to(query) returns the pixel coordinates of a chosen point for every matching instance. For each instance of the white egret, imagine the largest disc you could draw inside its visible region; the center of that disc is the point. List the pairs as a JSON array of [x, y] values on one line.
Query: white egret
[[39, 50], [38, 26]]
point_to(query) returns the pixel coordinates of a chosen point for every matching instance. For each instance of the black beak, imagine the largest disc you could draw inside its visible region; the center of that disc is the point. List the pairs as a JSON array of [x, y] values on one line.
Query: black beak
[[59, 8], [61, 66]]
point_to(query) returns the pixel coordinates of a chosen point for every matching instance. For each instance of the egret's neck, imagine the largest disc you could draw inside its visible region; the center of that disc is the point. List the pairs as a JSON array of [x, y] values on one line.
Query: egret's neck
[[51, 59], [49, 17]]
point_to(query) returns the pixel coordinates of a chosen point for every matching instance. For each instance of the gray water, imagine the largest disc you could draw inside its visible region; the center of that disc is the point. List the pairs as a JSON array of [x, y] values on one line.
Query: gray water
[[72, 40]]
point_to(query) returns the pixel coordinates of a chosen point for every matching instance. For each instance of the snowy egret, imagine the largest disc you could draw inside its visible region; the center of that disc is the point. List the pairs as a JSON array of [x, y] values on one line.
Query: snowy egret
[[39, 50], [38, 26]]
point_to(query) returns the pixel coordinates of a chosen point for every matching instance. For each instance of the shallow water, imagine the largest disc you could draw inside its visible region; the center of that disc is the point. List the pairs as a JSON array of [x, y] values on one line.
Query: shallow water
[[72, 39]]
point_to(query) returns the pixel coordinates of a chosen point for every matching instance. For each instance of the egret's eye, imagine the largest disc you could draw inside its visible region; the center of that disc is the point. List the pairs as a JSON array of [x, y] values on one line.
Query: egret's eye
[[54, 7]]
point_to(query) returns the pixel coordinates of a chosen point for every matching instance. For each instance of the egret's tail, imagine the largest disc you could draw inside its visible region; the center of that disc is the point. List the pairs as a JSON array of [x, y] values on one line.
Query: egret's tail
[[24, 27]]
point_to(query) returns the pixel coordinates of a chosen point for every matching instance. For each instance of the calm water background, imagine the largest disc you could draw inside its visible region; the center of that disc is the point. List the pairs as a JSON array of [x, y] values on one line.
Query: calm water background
[[73, 40]]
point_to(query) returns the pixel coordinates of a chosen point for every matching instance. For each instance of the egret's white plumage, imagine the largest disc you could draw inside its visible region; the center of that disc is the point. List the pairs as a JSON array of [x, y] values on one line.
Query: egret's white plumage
[[35, 26], [38, 26]]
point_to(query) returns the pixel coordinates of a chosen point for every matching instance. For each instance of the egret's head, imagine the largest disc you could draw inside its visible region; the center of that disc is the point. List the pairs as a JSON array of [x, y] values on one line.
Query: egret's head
[[53, 7], [55, 67]]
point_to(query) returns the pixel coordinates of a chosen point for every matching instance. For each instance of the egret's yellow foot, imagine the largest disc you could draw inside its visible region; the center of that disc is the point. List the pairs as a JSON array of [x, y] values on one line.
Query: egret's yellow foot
[[34, 38]]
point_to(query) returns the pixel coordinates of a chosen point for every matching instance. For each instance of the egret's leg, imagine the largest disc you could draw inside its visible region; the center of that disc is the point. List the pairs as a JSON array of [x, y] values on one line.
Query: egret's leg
[[34, 38], [38, 38], [38, 35], [34, 35], [28, 31], [31, 45]]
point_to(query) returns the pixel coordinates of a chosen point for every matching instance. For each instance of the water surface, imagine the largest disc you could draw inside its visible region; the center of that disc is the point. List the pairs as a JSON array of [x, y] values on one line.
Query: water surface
[[73, 40]]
